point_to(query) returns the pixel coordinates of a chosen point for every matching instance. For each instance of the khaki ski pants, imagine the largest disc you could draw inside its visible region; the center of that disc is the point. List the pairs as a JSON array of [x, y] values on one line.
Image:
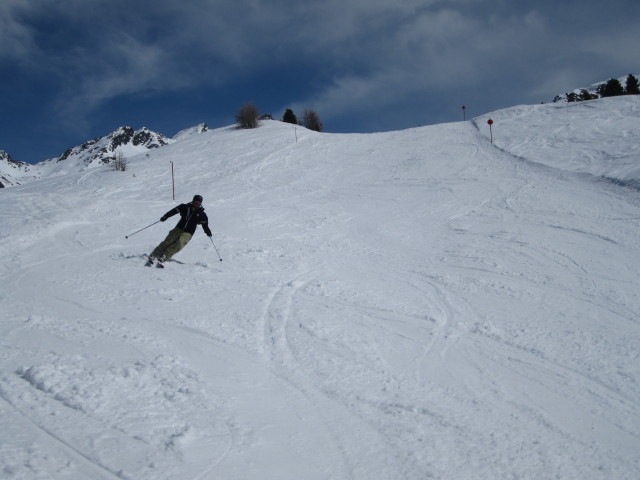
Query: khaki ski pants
[[176, 240]]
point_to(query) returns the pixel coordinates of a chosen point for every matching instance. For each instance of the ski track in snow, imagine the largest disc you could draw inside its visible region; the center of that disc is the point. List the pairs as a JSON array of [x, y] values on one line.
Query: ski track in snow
[[404, 305]]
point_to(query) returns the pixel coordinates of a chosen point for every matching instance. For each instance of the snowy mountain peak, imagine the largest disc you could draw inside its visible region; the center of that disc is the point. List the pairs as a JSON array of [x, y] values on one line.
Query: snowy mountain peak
[[187, 132], [11, 170], [104, 149], [96, 152]]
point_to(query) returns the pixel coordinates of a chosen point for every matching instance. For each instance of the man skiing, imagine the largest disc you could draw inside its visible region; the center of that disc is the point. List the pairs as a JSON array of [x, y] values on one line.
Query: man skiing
[[191, 215]]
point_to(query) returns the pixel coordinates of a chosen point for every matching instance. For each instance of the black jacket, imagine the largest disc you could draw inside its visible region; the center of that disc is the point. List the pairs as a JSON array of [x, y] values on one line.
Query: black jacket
[[189, 219]]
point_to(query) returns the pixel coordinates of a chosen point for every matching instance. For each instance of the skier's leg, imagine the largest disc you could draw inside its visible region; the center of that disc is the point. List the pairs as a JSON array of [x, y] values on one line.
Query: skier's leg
[[161, 249], [177, 245]]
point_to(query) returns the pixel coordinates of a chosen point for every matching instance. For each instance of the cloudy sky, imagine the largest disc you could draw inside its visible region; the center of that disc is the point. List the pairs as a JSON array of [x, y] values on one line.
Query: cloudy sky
[[73, 70]]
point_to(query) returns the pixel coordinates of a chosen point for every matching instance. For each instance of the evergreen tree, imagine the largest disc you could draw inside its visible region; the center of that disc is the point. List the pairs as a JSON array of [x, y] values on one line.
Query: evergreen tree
[[612, 88], [585, 95], [572, 97], [632, 88], [290, 117]]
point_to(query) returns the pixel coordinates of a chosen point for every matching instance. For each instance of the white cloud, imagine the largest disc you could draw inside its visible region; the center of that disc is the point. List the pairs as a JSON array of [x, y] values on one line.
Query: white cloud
[[434, 50], [124, 66], [16, 40]]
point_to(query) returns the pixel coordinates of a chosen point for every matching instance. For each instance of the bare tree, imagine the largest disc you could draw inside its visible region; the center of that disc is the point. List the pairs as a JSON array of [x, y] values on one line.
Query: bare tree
[[311, 120], [120, 163], [247, 116]]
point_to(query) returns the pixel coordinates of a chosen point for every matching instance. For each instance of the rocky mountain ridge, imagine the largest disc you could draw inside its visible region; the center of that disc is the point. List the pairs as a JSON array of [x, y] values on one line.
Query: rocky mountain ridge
[[99, 151]]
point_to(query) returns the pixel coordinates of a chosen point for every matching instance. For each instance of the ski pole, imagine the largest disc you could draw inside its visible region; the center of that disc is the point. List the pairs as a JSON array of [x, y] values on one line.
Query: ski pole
[[214, 246], [132, 234]]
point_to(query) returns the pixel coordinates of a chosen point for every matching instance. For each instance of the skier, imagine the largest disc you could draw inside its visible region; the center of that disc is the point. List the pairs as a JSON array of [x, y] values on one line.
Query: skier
[[191, 215]]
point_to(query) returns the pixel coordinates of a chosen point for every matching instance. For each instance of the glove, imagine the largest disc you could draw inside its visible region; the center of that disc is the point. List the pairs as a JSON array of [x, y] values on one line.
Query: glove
[[209, 235], [163, 218]]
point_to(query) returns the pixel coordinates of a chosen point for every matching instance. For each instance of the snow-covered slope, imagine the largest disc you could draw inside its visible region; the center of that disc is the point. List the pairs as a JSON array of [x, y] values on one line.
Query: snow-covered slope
[[599, 137], [403, 305]]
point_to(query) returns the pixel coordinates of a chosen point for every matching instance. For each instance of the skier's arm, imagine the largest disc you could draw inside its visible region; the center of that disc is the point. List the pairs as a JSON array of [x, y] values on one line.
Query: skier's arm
[[205, 225], [169, 214]]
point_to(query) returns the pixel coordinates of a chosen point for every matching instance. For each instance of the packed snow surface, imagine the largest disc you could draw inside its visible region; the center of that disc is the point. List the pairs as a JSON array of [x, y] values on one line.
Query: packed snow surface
[[404, 305]]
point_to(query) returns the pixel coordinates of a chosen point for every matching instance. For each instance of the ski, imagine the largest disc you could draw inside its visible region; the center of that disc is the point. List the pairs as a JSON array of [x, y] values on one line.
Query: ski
[[159, 263]]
